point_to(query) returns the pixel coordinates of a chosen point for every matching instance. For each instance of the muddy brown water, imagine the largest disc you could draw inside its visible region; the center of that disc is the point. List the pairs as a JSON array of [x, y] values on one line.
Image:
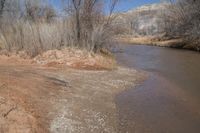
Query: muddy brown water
[[169, 100]]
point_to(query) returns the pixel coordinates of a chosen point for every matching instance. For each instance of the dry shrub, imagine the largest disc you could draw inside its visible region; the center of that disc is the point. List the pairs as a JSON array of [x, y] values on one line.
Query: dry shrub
[[35, 38], [75, 58], [37, 31]]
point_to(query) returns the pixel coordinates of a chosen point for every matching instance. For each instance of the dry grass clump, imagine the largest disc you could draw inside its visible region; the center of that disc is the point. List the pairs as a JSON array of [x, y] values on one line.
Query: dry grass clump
[[35, 38], [151, 40], [66, 57], [75, 58]]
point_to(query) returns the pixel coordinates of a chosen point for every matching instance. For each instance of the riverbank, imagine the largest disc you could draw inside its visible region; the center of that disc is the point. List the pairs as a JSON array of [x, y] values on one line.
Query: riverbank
[[67, 57], [42, 98], [157, 41]]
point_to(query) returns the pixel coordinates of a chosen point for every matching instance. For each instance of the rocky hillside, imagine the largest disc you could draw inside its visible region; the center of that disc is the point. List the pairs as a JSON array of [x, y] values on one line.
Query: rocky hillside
[[144, 20]]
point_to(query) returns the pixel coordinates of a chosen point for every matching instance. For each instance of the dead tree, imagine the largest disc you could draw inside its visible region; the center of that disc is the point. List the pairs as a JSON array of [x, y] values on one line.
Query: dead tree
[[2, 5], [77, 7]]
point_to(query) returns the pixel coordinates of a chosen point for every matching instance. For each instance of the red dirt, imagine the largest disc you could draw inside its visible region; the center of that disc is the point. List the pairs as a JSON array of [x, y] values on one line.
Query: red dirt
[[32, 97]]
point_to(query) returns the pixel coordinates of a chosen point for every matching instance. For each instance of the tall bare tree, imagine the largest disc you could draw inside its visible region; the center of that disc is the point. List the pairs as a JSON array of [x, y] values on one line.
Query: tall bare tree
[[2, 5]]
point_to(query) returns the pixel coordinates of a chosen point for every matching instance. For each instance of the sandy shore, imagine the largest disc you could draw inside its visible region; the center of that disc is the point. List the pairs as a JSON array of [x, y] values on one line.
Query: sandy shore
[[43, 99]]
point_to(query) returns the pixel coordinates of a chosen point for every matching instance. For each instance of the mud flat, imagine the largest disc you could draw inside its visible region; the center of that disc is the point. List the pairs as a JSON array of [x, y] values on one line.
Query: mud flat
[[48, 99]]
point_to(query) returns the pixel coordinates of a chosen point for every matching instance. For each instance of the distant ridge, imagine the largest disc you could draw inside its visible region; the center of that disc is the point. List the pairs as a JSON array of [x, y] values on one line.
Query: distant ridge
[[156, 6], [144, 20]]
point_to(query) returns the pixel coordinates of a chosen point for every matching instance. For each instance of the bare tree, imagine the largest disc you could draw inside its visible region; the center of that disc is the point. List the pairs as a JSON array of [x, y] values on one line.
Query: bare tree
[[77, 7], [2, 5], [88, 16], [183, 19], [27, 25]]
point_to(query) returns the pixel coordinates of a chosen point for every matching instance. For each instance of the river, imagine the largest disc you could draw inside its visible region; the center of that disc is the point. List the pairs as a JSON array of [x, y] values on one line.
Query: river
[[169, 99]]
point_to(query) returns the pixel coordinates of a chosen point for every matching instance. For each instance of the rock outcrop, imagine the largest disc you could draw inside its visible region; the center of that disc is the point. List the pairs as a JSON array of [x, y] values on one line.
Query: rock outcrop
[[144, 20]]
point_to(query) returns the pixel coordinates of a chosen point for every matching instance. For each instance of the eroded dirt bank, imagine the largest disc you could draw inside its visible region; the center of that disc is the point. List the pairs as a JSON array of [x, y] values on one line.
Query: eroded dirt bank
[[58, 100]]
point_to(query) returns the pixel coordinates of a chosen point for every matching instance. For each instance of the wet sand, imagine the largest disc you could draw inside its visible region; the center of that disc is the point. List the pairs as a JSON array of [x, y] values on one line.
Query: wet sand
[[37, 99]]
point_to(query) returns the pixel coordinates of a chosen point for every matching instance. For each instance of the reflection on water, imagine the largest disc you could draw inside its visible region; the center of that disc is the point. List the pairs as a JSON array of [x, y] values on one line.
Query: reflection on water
[[179, 66], [169, 101]]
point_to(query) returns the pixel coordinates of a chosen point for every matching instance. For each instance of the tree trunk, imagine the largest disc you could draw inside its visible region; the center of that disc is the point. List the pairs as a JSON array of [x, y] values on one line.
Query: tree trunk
[[78, 27], [2, 5]]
